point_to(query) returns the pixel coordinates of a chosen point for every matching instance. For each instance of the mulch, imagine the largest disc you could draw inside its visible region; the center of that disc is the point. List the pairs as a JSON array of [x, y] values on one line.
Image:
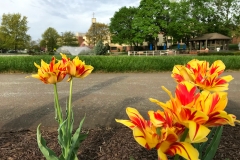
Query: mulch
[[103, 144]]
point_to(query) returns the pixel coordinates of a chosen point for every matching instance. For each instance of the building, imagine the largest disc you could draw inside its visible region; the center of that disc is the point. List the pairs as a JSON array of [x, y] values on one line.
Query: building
[[212, 41], [115, 47]]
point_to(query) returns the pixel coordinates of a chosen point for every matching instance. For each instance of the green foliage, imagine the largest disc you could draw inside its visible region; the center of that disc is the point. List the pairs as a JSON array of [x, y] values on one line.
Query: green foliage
[[227, 13], [13, 32], [50, 37], [184, 26], [33, 46], [69, 144], [233, 47], [97, 32], [181, 19], [116, 63], [217, 54], [121, 26], [100, 48], [47, 152], [208, 149], [152, 17], [68, 39]]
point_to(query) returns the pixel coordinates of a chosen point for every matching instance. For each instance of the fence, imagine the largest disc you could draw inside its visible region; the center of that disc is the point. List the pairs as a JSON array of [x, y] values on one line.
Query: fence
[[153, 53]]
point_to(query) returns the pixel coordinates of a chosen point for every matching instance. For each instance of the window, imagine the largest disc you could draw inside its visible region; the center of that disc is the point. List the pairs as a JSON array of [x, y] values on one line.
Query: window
[[113, 48]]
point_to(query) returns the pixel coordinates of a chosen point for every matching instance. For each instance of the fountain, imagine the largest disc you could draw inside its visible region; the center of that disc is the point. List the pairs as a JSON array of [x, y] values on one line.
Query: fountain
[[74, 50]]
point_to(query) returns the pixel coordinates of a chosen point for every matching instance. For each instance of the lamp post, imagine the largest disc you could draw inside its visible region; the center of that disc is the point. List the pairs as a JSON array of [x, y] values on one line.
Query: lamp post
[[94, 23], [62, 39], [46, 45]]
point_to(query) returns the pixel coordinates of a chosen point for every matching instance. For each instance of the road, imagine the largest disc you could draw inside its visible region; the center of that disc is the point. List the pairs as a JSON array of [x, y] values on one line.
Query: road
[[26, 102]]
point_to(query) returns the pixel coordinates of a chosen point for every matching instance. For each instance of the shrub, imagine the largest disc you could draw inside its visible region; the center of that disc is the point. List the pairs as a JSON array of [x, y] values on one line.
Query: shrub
[[116, 63], [100, 48], [233, 47], [216, 53]]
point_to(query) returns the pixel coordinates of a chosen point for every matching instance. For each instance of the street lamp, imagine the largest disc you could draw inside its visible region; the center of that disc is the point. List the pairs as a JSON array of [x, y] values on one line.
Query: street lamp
[[46, 45], [94, 23], [62, 38]]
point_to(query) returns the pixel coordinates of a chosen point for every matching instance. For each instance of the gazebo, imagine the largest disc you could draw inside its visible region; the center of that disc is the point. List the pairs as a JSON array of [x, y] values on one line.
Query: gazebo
[[212, 41]]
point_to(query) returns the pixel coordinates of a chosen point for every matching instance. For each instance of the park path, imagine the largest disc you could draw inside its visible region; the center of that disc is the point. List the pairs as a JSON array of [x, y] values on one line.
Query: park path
[[26, 102]]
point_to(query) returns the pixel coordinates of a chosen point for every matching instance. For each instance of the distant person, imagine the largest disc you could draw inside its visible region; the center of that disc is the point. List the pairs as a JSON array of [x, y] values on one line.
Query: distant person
[[239, 46], [206, 49]]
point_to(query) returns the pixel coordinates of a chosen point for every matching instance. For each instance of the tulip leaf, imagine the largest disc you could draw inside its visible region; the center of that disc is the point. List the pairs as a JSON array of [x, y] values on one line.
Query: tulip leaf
[[62, 135], [197, 146], [210, 135], [158, 130], [202, 146], [48, 153], [213, 146], [76, 140]]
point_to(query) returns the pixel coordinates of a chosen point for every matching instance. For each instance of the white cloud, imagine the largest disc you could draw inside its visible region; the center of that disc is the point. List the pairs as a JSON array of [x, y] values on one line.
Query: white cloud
[[63, 15]]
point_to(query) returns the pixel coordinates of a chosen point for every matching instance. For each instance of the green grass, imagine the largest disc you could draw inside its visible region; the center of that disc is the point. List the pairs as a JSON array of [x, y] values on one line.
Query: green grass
[[115, 63]]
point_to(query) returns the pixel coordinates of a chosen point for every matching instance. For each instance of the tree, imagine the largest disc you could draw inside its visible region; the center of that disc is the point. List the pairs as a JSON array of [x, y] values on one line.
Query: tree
[[13, 31], [33, 45], [220, 16], [69, 39], [190, 18], [182, 26], [50, 37], [151, 19], [97, 32], [228, 15], [121, 26], [100, 48]]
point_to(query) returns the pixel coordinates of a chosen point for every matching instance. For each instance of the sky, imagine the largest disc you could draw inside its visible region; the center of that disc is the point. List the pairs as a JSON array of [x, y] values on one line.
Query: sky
[[63, 15]]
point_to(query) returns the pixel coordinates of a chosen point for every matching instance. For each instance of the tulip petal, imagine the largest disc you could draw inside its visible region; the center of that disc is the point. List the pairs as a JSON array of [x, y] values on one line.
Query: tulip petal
[[161, 155], [127, 123], [187, 74], [197, 132], [218, 118], [185, 92], [161, 118], [217, 67], [146, 138], [183, 149]]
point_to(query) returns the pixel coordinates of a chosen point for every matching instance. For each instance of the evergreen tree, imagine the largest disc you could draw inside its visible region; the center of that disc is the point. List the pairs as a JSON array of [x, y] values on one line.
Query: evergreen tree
[[100, 48]]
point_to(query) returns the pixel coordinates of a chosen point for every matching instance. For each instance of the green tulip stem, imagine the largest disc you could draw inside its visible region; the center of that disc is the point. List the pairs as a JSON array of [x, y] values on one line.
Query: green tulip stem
[[69, 112], [59, 113]]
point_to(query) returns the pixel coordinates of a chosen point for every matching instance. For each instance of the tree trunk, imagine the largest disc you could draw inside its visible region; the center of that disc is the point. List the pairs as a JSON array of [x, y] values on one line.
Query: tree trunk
[[155, 43]]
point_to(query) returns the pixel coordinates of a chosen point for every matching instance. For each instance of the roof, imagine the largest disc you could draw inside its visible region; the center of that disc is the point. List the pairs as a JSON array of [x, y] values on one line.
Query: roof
[[210, 36]]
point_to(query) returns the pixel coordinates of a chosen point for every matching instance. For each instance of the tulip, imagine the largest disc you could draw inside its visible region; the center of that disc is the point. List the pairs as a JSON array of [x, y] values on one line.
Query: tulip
[[141, 127], [166, 142], [76, 67], [182, 108], [50, 73], [203, 76], [213, 105]]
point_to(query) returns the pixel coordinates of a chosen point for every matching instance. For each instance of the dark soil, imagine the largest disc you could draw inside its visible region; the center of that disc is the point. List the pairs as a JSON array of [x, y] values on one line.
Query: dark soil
[[103, 144]]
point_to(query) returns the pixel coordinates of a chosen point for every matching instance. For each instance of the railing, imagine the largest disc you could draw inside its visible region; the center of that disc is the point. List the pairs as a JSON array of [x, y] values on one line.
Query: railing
[[152, 53]]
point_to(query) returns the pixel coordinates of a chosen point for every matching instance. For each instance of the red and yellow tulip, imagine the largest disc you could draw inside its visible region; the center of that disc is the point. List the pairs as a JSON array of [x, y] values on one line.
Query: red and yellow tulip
[[185, 118], [182, 108], [76, 67], [166, 142], [56, 72], [50, 73], [213, 105], [203, 76], [143, 131]]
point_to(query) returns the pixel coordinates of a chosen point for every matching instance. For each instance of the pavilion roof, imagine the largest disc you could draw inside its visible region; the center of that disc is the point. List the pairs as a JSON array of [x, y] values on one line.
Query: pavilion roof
[[210, 36]]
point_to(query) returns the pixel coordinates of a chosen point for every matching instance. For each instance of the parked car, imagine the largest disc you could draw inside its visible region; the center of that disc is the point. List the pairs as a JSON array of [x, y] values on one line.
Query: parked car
[[12, 51]]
